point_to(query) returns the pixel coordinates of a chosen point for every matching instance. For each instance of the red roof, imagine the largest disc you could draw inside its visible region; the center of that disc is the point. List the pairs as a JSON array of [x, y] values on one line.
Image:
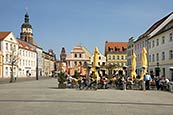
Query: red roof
[[4, 35], [25, 46], [115, 45]]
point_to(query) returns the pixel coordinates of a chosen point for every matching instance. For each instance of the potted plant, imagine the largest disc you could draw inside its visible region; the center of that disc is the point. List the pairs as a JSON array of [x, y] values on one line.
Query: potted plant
[[61, 80]]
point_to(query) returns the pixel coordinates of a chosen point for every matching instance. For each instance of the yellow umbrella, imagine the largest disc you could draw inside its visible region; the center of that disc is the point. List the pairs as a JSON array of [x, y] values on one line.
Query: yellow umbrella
[[95, 59], [95, 62], [144, 63], [133, 73]]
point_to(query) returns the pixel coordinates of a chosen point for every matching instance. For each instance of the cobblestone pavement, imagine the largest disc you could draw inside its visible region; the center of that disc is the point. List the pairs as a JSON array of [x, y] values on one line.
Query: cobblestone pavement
[[42, 97]]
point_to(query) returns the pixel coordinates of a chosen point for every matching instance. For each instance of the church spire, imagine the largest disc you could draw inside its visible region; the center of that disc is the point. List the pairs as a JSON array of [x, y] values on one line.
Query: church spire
[[26, 29], [26, 16]]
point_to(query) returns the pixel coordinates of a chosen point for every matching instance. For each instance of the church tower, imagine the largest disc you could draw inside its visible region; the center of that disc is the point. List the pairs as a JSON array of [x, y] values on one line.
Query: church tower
[[26, 30], [63, 55]]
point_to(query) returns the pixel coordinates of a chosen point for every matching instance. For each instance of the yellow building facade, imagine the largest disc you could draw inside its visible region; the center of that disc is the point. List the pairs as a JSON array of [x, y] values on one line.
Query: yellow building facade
[[116, 56]]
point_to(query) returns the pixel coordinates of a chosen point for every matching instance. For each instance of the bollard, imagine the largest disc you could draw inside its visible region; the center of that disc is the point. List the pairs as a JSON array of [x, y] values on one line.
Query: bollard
[[124, 86], [143, 85], [170, 87]]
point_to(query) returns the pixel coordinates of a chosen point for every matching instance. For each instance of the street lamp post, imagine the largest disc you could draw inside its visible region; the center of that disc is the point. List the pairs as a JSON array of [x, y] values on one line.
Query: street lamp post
[[37, 66]]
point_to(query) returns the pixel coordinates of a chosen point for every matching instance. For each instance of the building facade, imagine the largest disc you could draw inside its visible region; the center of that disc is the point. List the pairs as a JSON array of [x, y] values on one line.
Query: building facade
[[129, 55], [49, 61], [115, 53], [9, 49], [27, 60], [78, 59], [101, 60], [161, 49], [142, 42]]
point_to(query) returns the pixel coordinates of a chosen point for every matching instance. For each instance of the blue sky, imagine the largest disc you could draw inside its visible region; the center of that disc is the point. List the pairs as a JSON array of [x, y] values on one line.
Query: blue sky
[[67, 23]]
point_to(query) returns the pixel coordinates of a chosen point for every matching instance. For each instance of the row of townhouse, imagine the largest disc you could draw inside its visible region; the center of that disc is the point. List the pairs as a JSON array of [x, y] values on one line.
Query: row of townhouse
[[28, 58], [158, 41], [80, 59]]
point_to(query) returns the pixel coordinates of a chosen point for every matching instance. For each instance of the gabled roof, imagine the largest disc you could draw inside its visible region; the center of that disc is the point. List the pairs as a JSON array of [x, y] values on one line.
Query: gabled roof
[[119, 45], [3, 35], [154, 26], [79, 49], [35, 44], [23, 45]]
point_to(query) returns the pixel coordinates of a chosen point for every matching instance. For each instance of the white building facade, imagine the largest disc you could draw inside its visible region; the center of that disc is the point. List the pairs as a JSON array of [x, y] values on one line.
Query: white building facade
[[8, 46], [161, 49], [27, 60], [101, 60]]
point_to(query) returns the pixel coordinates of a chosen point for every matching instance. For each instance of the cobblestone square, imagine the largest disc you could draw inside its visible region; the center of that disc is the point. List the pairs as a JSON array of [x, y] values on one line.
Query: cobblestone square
[[42, 97]]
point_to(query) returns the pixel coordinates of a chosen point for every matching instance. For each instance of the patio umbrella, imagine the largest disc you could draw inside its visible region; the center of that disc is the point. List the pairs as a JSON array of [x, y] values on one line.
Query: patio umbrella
[[95, 62], [144, 63], [133, 73], [95, 59]]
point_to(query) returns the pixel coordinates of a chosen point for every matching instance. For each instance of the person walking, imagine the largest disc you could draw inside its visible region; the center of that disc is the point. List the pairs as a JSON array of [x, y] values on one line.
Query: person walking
[[147, 79]]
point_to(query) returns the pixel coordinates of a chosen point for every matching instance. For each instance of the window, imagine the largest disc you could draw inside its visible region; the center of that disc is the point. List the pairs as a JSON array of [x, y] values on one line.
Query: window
[[149, 58], [153, 43], [75, 63], [135, 47], [6, 71], [170, 36], [80, 63], [113, 57], [163, 39], [85, 63], [80, 55], [6, 58], [11, 47], [75, 55], [103, 63], [149, 44], [15, 47], [157, 56], [170, 54], [99, 57], [118, 57], [143, 44], [163, 55], [20, 52], [153, 58], [122, 57], [109, 57], [6, 46], [23, 62], [157, 43]]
